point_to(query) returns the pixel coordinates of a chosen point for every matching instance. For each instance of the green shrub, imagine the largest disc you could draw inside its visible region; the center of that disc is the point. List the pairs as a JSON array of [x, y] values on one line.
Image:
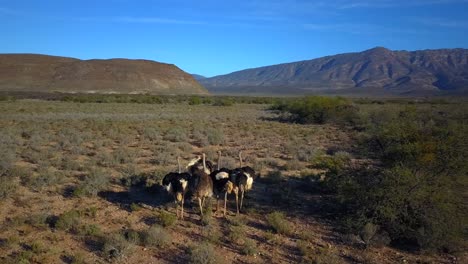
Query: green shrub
[[68, 221], [124, 155], [195, 100], [37, 220], [7, 157], [415, 193], [318, 109], [238, 220], [167, 219], [223, 101], [91, 211], [89, 230], [204, 254], [304, 248], [236, 233], [134, 207], [115, 246], [176, 134], [132, 236], [211, 234], [271, 237], [156, 236], [326, 256], [8, 186], [78, 258], [215, 136], [278, 222], [46, 177], [95, 181], [249, 247]]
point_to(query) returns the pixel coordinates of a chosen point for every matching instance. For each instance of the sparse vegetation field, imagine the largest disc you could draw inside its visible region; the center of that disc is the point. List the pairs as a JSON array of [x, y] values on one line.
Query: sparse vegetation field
[[83, 175]]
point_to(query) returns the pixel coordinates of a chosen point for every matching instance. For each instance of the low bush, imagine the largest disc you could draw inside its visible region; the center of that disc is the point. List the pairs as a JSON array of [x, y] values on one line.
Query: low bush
[[236, 233], [115, 246], [77, 258], [249, 247], [132, 236], [8, 186], [204, 254], [211, 234], [68, 221], [318, 109], [279, 224], [95, 181], [89, 230], [156, 236], [167, 219]]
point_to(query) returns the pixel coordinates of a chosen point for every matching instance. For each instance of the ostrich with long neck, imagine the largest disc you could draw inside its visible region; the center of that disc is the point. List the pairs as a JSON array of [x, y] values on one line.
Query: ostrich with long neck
[[221, 183], [201, 185], [176, 183], [242, 179]]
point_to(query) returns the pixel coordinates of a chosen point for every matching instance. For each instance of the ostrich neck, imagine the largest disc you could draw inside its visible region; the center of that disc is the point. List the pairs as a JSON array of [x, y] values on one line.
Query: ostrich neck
[[178, 164], [204, 163]]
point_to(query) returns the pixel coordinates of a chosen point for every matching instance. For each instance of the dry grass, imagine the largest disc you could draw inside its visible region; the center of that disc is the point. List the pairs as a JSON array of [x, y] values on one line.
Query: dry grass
[[78, 170]]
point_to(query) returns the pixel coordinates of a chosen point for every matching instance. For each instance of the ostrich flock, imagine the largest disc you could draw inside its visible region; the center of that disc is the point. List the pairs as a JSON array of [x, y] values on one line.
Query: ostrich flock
[[202, 181]]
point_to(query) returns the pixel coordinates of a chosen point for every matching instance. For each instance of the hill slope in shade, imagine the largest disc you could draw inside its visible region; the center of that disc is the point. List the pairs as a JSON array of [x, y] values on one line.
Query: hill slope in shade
[[43, 73], [377, 71], [198, 77]]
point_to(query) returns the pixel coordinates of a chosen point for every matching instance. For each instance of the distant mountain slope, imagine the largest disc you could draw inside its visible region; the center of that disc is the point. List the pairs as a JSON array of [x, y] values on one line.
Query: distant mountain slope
[[198, 77], [377, 70], [43, 73]]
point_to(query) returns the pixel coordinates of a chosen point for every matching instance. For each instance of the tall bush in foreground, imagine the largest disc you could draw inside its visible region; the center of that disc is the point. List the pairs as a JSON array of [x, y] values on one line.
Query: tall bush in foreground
[[417, 192]]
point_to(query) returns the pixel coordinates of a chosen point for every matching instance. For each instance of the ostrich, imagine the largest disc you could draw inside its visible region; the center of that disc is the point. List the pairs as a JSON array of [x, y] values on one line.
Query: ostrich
[[221, 183], [196, 165], [242, 179], [201, 184], [176, 184]]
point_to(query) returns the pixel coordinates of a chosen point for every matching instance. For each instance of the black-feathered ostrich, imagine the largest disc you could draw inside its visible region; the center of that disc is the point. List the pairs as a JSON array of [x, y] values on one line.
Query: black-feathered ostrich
[[176, 183], [221, 183], [242, 179], [201, 184]]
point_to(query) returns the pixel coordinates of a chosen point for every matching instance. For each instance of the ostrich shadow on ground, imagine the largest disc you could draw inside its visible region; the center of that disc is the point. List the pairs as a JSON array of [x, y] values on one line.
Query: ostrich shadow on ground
[[154, 196], [291, 195]]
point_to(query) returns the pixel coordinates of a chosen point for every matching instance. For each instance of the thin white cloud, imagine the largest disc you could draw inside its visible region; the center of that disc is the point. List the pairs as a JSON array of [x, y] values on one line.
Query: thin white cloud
[[391, 3], [136, 20], [445, 23], [360, 29], [155, 20], [343, 27]]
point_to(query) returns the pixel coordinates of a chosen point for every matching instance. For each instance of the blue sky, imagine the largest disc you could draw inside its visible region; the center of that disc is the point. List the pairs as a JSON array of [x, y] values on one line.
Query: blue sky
[[217, 37]]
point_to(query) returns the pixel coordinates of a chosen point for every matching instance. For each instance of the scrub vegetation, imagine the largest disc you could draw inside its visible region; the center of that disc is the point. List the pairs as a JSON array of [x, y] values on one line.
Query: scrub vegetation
[[341, 180]]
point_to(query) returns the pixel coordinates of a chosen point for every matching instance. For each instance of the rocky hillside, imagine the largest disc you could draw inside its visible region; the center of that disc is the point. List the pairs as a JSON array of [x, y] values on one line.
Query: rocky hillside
[[377, 71], [42, 73]]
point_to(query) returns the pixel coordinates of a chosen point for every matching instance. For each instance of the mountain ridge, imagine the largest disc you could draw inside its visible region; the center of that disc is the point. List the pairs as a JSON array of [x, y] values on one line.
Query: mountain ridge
[[46, 73], [383, 70]]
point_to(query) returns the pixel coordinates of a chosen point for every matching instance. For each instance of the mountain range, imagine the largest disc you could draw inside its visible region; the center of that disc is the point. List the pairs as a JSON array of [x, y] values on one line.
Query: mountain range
[[376, 71], [43, 73]]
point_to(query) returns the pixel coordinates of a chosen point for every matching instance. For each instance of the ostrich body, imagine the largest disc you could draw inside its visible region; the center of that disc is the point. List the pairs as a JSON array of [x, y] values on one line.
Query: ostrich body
[[242, 179], [201, 184], [221, 183], [176, 183]]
